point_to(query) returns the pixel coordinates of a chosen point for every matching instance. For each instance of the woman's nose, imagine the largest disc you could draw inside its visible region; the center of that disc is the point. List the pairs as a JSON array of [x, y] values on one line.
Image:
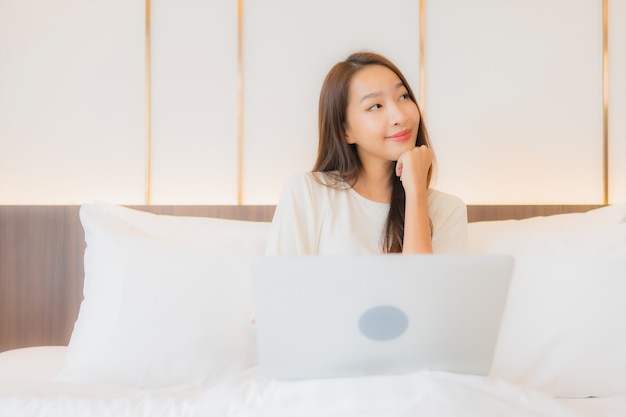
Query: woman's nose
[[396, 114]]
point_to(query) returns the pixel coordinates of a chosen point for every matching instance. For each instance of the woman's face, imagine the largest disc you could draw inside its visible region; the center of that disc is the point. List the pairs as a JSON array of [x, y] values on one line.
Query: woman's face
[[381, 119]]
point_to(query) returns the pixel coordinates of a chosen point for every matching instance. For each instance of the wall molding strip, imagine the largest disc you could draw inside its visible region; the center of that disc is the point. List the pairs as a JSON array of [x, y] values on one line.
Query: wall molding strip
[[422, 70], [605, 101], [239, 102], [148, 110]]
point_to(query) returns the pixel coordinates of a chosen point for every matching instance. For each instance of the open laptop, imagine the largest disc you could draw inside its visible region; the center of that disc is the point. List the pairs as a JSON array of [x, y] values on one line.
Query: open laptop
[[336, 316]]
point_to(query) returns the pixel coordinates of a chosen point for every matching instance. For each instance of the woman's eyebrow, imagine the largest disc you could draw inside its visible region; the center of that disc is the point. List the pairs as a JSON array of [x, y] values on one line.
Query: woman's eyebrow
[[378, 93], [370, 95]]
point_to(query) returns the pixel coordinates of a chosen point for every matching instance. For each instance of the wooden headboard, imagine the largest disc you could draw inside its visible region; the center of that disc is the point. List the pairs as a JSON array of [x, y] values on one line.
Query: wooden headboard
[[41, 262]]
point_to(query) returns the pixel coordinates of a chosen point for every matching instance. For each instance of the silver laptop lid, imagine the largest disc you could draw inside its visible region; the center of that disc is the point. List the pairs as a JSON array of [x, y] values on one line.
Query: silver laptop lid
[[328, 316]]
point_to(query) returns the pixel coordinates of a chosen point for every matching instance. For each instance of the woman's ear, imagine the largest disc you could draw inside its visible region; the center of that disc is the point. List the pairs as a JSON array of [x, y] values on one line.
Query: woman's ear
[[347, 133]]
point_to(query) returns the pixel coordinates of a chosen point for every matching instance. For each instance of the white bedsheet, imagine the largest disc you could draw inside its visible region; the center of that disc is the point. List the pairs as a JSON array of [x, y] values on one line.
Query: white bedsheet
[[27, 389]]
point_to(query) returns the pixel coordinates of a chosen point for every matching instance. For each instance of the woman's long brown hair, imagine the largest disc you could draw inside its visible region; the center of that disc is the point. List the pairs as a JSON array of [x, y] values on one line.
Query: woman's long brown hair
[[339, 159]]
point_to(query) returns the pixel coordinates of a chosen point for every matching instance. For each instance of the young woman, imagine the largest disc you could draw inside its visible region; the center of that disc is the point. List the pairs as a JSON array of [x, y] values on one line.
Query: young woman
[[369, 191]]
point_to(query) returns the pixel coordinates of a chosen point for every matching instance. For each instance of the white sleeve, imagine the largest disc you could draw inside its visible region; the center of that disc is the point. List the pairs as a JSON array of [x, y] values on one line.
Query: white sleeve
[[449, 217], [295, 225]]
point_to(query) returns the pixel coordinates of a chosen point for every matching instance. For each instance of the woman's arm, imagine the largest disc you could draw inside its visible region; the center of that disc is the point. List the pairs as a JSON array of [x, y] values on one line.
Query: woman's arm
[[412, 168], [417, 225]]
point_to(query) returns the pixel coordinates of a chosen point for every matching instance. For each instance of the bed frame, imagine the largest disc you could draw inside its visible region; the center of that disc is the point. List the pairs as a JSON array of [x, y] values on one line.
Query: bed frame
[[41, 261]]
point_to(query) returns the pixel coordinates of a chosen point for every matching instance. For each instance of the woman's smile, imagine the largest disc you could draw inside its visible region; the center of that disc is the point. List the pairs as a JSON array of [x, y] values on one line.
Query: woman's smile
[[401, 136]]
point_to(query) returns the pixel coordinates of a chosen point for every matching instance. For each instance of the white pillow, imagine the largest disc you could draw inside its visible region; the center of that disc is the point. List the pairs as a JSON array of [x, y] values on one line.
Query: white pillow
[[166, 299], [527, 236], [564, 327], [563, 330]]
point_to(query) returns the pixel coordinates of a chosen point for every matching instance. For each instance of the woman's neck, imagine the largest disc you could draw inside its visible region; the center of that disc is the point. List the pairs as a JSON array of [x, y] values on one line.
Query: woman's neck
[[373, 183]]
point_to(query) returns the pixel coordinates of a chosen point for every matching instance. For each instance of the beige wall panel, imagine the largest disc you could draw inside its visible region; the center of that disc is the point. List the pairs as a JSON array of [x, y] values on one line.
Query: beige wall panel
[[71, 101], [194, 102], [513, 99], [289, 48], [617, 101]]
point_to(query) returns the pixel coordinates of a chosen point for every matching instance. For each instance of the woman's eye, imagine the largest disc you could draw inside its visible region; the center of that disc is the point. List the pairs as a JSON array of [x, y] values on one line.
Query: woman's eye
[[405, 96], [374, 107]]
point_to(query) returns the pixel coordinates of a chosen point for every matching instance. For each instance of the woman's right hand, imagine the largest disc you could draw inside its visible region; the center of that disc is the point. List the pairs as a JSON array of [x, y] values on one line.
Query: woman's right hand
[[412, 168]]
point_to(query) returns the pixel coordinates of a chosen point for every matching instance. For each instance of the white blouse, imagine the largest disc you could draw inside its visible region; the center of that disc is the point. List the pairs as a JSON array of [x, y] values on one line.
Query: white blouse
[[315, 219]]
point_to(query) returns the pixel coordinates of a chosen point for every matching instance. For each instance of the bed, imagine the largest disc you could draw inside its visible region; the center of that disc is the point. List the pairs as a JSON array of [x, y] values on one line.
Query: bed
[[108, 310]]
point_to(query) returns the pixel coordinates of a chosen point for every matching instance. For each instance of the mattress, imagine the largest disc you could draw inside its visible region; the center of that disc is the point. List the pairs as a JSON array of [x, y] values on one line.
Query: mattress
[[28, 388]]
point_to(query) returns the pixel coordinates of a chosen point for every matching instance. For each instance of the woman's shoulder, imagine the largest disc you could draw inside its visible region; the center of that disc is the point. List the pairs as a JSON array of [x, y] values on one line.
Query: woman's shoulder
[[441, 198], [312, 181], [444, 204], [448, 214], [305, 193], [302, 180]]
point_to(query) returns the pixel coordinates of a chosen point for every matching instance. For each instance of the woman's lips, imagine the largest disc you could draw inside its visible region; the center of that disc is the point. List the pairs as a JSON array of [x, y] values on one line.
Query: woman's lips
[[400, 136]]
